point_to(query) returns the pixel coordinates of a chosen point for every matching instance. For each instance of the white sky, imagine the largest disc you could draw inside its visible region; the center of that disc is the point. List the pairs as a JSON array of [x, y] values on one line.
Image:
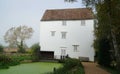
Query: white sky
[[28, 12]]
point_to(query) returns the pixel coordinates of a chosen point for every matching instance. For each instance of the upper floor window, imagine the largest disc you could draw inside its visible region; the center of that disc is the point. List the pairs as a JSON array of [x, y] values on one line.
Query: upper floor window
[[64, 23], [75, 48], [53, 33], [63, 35], [83, 22]]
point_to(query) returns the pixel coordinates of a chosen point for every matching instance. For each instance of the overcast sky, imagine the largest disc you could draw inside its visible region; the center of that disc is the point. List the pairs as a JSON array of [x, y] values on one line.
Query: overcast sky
[[14, 13]]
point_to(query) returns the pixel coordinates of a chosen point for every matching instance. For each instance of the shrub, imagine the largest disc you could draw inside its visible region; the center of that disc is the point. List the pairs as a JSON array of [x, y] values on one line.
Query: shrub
[[70, 63], [35, 52], [70, 66], [21, 57], [6, 61]]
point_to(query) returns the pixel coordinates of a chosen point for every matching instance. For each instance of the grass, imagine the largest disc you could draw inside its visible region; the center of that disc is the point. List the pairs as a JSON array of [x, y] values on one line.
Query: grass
[[31, 68]]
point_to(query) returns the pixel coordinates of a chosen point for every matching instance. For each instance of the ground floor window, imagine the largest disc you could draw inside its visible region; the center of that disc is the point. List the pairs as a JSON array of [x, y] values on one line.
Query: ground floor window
[[63, 52], [75, 48]]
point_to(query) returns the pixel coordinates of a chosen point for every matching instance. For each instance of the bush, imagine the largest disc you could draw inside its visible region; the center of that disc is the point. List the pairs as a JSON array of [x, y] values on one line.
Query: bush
[[21, 57], [70, 66], [70, 63], [35, 52], [6, 61]]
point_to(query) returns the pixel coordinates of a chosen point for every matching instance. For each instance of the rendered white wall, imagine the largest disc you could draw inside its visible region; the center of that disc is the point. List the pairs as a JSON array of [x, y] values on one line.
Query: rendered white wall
[[76, 35]]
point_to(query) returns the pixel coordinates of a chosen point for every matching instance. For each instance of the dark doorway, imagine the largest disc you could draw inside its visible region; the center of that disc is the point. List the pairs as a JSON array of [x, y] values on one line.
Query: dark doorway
[[47, 54]]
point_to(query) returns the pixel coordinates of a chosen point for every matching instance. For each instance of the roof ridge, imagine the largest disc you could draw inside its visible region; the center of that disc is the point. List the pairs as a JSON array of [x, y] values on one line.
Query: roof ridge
[[67, 9]]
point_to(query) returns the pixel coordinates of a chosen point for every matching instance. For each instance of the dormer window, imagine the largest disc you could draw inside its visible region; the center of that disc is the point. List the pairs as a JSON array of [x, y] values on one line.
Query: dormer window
[[82, 22], [64, 23]]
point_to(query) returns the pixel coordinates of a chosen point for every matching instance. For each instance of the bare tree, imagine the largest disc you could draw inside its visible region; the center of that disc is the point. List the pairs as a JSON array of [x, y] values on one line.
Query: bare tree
[[16, 36]]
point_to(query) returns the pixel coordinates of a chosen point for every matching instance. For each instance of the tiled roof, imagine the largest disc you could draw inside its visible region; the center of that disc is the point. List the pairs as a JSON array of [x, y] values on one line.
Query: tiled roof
[[68, 14]]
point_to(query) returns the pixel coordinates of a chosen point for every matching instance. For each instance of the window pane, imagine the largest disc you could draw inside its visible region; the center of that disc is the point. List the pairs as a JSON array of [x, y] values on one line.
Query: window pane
[[75, 48], [63, 35], [83, 22], [52, 33], [64, 23]]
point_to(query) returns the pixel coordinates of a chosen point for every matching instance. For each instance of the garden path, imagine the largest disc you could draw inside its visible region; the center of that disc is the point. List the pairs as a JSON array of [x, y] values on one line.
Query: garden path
[[93, 68]]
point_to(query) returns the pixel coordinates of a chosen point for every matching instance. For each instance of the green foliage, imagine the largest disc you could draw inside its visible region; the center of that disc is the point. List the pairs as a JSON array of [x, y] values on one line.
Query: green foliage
[[21, 57], [111, 70], [13, 59], [35, 52], [70, 66], [21, 48], [107, 27], [104, 53], [6, 61], [70, 63], [1, 48]]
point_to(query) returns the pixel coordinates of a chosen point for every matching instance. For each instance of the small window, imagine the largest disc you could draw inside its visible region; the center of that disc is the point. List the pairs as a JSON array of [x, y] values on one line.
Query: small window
[[75, 48], [63, 35], [52, 33], [83, 22], [64, 23]]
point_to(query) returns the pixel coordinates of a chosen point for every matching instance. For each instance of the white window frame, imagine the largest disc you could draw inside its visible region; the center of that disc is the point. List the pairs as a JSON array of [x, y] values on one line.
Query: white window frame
[[63, 35], [75, 48], [83, 22], [53, 33]]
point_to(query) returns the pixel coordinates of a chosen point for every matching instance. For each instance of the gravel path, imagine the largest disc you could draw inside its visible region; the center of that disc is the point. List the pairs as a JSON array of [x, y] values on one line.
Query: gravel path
[[92, 68]]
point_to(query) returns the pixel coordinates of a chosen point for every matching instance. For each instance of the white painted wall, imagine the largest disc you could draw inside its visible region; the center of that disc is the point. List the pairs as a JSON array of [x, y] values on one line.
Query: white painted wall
[[76, 35]]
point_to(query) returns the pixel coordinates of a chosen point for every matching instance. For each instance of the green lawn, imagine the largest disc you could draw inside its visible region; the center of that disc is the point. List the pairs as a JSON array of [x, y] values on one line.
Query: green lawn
[[31, 68]]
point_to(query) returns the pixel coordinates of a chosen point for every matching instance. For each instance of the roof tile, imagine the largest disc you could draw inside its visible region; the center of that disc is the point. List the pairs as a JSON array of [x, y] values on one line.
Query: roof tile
[[68, 14]]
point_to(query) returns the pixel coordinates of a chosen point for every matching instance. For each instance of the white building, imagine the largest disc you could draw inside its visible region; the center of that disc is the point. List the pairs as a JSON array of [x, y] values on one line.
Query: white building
[[67, 32]]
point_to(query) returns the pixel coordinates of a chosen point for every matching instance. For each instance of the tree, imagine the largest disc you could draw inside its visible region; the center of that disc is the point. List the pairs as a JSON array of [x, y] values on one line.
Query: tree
[[35, 52], [16, 37], [1, 48], [104, 57], [108, 24]]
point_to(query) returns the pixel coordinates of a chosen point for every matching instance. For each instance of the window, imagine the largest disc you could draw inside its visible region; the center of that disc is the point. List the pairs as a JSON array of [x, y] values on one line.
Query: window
[[64, 23], [75, 48], [63, 52], [52, 33], [63, 35], [83, 22]]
